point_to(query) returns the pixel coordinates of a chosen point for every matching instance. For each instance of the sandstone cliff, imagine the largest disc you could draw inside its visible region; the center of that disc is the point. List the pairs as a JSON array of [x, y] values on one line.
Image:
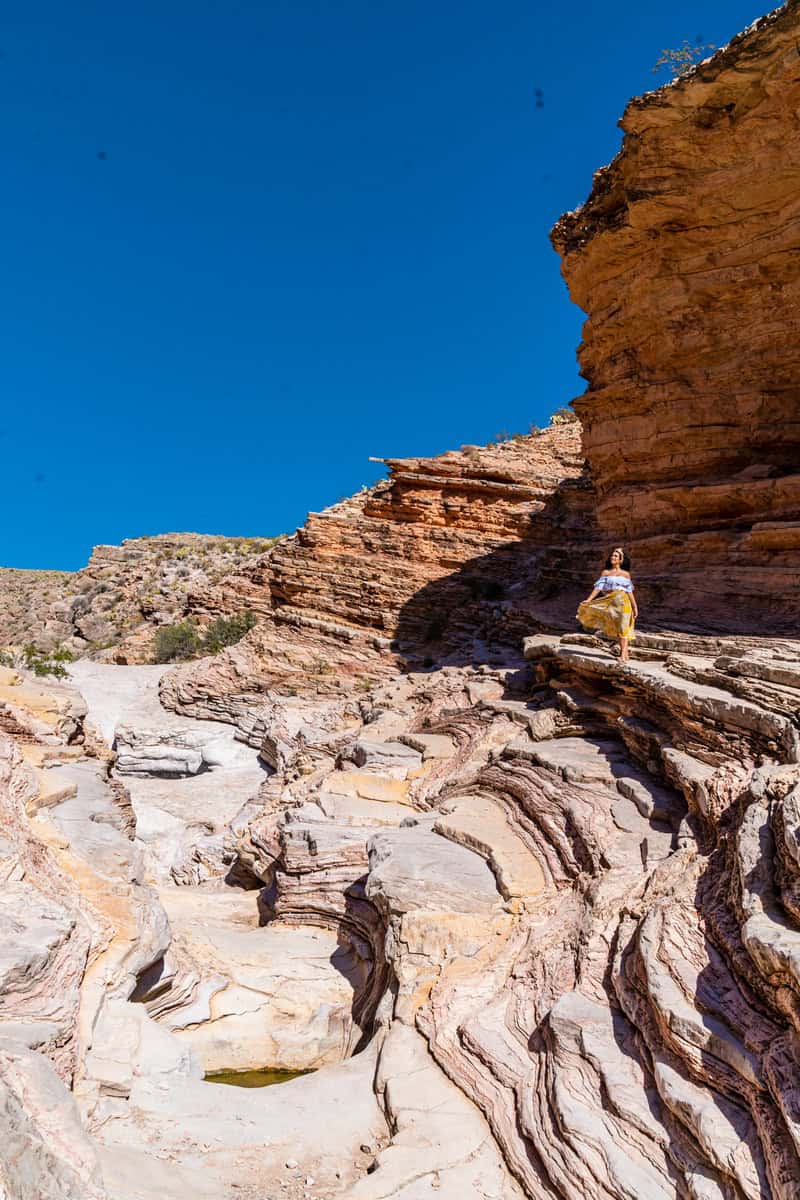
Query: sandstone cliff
[[685, 259], [470, 547]]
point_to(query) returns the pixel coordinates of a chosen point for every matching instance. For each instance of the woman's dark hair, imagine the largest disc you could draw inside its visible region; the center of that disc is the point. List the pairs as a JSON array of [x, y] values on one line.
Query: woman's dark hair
[[625, 564]]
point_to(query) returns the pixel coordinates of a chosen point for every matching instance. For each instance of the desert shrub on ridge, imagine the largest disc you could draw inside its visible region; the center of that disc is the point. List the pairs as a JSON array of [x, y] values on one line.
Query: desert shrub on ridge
[[182, 641], [176, 643]]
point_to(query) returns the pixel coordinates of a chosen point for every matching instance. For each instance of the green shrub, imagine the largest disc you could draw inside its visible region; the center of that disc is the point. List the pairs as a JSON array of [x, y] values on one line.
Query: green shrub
[[6, 659], [47, 662], [563, 416], [227, 631], [176, 643]]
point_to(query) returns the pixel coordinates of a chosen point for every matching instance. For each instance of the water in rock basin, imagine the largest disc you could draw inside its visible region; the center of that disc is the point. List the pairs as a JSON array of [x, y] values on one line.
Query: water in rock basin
[[252, 1079]]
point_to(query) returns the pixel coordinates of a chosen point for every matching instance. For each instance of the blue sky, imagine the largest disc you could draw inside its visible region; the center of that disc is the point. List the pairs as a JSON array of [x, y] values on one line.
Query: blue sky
[[248, 245]]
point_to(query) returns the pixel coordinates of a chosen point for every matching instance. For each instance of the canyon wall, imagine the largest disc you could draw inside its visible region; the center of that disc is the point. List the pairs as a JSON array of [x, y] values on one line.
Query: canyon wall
[[685, 257], [446, 555], [532, 915]]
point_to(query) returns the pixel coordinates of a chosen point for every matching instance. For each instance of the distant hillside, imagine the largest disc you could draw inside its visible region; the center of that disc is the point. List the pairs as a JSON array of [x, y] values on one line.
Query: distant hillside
[[112, 606]]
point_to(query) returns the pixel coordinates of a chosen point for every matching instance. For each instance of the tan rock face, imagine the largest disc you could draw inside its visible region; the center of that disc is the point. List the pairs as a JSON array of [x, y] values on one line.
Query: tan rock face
[[577, 881], [118, 599], [27, 597], [684, 257], [47, 938]]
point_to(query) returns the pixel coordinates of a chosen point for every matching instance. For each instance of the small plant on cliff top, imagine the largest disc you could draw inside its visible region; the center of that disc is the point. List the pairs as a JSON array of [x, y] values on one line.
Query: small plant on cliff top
[[563, 416], [681, 60]]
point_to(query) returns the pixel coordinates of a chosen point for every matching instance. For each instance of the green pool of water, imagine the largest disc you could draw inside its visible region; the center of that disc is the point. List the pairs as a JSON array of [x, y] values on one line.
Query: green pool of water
[[252, 1079]]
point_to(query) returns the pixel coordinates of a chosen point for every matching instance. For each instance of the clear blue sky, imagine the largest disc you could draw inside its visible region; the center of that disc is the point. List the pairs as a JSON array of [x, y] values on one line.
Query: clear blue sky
[[248, 244]]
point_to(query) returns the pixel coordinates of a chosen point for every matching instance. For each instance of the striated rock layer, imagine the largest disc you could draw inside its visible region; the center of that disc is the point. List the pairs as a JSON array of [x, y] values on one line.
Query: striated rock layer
[[550, 908], [685, 259], [448, 552], [579, 882]]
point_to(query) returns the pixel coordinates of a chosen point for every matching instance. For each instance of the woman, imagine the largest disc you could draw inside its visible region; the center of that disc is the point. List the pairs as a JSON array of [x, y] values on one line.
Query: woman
[[612, 607]]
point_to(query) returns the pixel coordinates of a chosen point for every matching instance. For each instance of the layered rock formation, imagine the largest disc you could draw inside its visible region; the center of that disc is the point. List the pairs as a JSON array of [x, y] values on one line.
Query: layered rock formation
[[530, 916], [684, 257], [614, 986], [111, 1009], [468, 547], [565, 887]]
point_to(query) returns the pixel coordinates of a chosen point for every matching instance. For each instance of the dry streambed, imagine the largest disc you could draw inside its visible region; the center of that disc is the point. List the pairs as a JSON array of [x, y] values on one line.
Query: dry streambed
[[180, 974], [528, 929]]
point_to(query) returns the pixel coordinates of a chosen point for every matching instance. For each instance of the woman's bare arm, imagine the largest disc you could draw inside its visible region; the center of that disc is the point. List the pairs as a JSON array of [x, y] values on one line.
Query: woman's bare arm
[[595, 592]]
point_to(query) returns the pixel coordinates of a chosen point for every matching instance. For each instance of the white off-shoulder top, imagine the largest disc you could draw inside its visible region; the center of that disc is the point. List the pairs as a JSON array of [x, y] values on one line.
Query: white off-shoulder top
[[610, 583]]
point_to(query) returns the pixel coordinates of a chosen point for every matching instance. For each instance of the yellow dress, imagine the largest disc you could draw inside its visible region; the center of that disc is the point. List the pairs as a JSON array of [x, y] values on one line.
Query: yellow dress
[[611, 613]]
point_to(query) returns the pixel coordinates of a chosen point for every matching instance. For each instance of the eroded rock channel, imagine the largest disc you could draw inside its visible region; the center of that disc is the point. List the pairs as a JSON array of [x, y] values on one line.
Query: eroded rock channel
[[524, 919], [529, 925]]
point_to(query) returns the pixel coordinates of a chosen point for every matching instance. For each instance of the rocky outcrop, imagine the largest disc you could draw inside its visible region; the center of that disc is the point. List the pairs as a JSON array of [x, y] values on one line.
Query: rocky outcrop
[[130, 1011], [684, 258], [112, 606], [467, 547], [589, 913], [559, 901], [46, 1151], [27, 598]]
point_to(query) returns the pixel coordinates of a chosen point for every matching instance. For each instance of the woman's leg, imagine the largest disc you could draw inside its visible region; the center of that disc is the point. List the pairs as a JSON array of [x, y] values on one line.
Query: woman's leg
[[623, 649]]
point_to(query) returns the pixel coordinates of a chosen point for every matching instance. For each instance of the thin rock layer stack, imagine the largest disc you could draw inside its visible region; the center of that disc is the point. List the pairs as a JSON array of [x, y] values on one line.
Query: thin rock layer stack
[[685, 259], [474, 545]]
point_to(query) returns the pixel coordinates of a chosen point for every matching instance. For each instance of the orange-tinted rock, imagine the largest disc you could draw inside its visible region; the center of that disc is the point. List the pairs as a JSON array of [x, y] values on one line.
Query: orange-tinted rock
[[446, 550], [685, 258]]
